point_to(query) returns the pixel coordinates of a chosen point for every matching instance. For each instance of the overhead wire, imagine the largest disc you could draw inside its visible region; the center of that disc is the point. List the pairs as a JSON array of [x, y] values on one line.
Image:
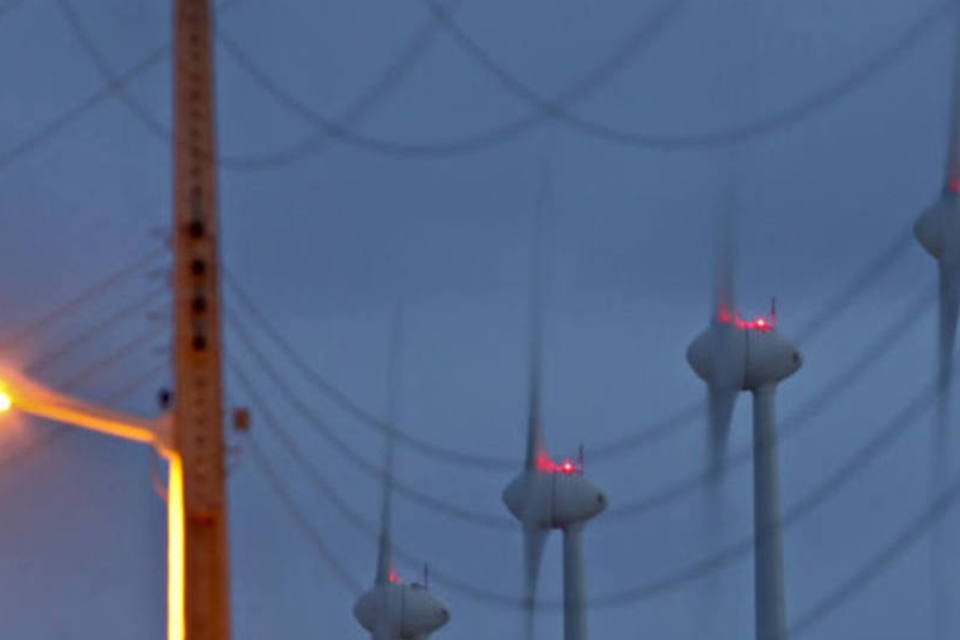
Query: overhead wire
[[139, 304], [856, 285], [340, 128], [299, 517], [694, 571], [388, 81], [91, 293], [639, 38], [341, 132], [139, 342], [554, 110], [488, 521], [764, 125], [136, 383], [73, 113], [945, 501], [685, 415], [794, 423], [392, 76], [888, 338]]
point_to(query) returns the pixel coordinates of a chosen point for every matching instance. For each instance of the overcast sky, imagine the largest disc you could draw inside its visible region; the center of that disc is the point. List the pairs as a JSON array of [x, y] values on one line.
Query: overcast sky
[[327, 243]]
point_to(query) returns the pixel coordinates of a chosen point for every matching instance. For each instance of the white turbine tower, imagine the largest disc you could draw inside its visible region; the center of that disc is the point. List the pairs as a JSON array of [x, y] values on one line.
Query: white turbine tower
[[938, 231], [735, 355], [547, 495], [394, 609]]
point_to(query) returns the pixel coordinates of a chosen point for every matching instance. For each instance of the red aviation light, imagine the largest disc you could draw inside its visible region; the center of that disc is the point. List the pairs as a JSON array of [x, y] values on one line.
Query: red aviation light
[[760, 323], [568, 467], [394, 577], [953, 184]]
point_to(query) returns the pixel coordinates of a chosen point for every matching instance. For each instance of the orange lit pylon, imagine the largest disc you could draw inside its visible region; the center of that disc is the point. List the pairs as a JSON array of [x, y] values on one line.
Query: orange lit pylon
[[199, 607]]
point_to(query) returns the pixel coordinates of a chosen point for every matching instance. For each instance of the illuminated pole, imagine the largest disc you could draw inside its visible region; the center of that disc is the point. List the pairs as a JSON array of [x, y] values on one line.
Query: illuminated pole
[[199, 607]]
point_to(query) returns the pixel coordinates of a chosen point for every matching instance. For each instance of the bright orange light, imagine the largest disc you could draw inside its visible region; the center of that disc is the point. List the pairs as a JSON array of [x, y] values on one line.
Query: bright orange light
[[6, 402], [176, 558]]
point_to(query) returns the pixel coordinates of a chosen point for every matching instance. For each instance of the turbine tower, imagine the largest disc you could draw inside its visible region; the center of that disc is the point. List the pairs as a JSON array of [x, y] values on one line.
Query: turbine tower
[[734, 355], [548, 495]]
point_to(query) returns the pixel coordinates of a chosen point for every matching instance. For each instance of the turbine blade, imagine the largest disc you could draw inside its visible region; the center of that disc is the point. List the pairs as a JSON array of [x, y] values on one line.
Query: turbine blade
[[949, 283], [536, 445], [385, 557], [723, 389], [953, 136], [721, 403], [949, 301], [724, 295]]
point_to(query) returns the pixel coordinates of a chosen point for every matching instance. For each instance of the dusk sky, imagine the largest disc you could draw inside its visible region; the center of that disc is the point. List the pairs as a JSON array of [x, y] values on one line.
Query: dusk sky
[[327, 239]]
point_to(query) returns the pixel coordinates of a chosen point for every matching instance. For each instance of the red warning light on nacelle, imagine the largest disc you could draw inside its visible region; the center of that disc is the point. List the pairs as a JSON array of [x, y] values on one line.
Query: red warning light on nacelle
[[568, 467], [760, 323]]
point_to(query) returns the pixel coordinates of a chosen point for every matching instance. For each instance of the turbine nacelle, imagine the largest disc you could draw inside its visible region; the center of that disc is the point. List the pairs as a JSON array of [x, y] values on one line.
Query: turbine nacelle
[[743, 355], [939, 225], [412, 610], [553, 499]]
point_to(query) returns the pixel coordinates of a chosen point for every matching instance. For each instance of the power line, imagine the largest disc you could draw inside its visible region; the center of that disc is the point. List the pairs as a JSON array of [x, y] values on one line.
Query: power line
[[86, 296], [300, 518], [556, 109], [55, 126], [688, 574], [637, 40], [676, 491], [548, 110], [93, 331], [489, 521], [140, 341], [880, 562], [390, 78], [792, 424], [89, 47], [75, 112], [350, 406], [357, 109], [136, 383], [858, 284], [782, 119], [683, 416]]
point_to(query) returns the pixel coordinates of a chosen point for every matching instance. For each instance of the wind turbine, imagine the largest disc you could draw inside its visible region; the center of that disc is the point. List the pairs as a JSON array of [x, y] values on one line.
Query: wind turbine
[[733, 355], [938, 231], [548, 495], [394, 609]]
